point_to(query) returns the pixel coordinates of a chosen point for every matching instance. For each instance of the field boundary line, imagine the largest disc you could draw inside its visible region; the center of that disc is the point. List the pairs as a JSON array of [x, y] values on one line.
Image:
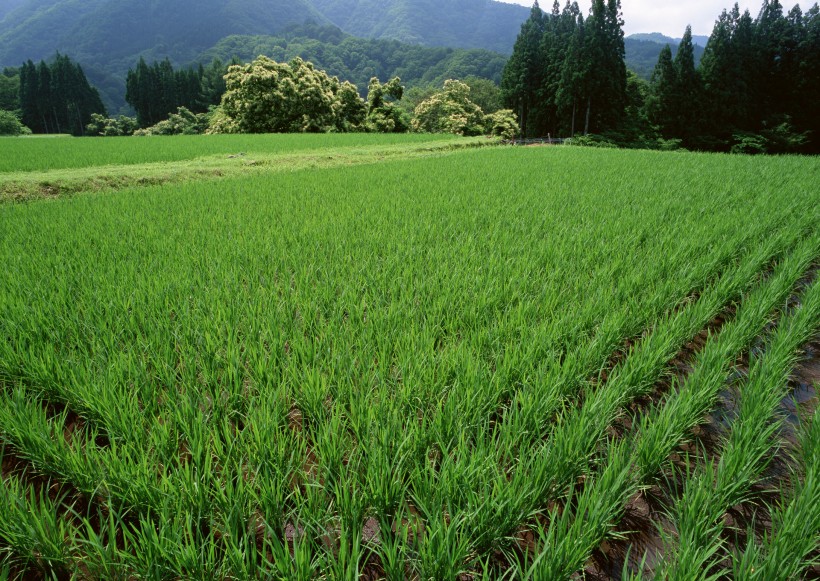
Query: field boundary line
[[25, 186]]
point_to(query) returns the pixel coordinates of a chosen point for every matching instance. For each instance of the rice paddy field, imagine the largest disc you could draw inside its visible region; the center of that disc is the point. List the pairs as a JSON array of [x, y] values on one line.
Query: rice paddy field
[[485, 363]]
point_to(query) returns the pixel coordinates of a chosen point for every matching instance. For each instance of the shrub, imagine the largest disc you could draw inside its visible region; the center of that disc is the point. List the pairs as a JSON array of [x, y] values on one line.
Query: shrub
[[111, 127], [11, 125], [502, 123], [183, 122]]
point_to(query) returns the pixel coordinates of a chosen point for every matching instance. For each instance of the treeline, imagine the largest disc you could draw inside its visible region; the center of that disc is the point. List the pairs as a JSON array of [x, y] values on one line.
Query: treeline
[[567, 73], [756, 89], [56, 97], [157, 90]]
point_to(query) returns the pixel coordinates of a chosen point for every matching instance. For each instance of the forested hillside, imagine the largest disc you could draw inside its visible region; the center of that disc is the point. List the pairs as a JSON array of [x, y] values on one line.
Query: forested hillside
[[458, 23], [358, 60], [642, 52], [110, 33], [109, 36]]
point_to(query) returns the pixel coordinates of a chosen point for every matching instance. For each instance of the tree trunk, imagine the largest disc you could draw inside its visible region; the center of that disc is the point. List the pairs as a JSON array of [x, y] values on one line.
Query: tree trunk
[[589, 108], [574, 107]]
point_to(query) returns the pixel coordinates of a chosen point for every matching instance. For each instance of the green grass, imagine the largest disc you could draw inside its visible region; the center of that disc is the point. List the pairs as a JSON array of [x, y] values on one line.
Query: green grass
[[191, 160], [28, 154], [397, 365]]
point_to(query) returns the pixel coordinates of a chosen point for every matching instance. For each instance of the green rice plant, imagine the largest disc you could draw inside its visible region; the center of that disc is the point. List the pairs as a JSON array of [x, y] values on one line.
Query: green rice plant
[[698, 514], [32, 526], [574, 534], [786, 553], [443, 548]]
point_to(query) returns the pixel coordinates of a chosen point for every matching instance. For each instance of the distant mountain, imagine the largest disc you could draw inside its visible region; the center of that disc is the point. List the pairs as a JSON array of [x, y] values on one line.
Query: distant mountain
[[9, 6], [643, 50], [458, 23], [662, 39], [112, 32]]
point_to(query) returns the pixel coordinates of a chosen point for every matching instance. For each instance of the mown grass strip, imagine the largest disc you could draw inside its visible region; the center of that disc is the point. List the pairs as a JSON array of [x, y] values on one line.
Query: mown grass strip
[[30, 185]]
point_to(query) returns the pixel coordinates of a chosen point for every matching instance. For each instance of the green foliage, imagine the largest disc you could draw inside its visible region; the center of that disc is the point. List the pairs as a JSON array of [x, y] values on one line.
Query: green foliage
[[449, 111], [9, 92], [751, 93], [358, 60], [567, 74], [484, 92], [269, 97], [749, 143], [642, 54], [592, 140], [56, 97], [183, 122], [383, 114], [157, 90], [111, 126], [490, 25], [502, 123], [10, 124]]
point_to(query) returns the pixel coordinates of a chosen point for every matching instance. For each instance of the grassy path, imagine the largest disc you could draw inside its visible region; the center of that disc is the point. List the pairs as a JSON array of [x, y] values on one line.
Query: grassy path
[[26, 185]]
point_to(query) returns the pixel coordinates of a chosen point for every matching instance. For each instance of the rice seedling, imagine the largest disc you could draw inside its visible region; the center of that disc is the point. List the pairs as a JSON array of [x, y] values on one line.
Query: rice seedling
[[786, 553], [697, 516], [574, 533]]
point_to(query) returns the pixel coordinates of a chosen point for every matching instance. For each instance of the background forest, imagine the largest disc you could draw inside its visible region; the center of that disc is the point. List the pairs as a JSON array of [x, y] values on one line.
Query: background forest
[[752, 88]]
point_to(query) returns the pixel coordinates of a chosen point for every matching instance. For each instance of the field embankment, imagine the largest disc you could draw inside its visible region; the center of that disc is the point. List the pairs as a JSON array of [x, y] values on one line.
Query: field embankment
[[37, 168]]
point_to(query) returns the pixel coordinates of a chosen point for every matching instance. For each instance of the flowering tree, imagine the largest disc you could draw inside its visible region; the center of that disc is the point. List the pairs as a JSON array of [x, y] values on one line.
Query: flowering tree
[[449, 111], [265, 96]]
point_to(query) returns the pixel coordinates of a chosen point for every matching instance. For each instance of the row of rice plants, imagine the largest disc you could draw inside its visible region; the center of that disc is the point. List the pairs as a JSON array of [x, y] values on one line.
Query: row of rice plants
[[697, 516], [791, 547], [576, 531], [570, 539]]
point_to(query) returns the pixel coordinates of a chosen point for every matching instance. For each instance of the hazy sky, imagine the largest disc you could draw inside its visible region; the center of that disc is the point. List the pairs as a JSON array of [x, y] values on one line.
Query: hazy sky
[[671, 16]]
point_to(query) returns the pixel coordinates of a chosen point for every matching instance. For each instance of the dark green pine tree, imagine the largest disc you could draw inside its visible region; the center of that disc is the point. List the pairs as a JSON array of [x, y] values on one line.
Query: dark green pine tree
[[522, 75], [605, 55], [29, 83], [727, 71], [56, 97], [770, 67], [139, 92], [567, 39], [573, 88], [661, 103], [213, 82], [158, 90], [688, 90], [45, 105], [806, 110]]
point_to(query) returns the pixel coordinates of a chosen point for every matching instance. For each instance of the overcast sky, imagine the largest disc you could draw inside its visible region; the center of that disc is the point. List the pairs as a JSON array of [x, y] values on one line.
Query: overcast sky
[[671, 16]]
